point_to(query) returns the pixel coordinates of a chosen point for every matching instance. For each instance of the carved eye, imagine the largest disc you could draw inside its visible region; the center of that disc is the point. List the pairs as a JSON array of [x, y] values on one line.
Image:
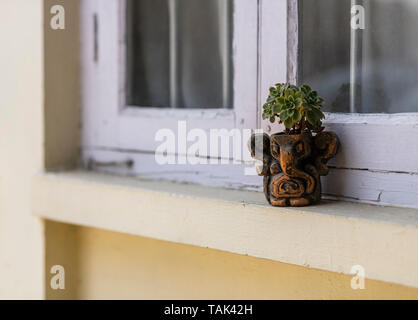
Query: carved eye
[[299, 147]]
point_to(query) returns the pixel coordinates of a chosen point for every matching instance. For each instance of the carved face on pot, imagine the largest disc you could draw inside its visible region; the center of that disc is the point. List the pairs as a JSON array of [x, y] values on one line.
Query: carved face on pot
[[291, 147], [296, 163], [294, 182]]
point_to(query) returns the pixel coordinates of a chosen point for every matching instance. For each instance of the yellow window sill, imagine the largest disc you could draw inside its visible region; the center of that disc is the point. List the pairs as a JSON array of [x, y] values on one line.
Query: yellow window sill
[[333, 236]]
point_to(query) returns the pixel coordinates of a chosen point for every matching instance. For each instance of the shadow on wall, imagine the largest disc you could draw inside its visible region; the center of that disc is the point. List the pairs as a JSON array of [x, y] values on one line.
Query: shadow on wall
[[107, 265]]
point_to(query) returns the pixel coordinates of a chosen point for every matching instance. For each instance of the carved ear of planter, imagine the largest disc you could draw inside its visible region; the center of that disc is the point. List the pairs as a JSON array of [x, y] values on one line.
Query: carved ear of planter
[[293, 164]]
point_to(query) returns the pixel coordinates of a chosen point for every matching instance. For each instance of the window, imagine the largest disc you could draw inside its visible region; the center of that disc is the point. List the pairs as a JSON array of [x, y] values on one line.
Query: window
[[148, 64], [184, 60], [369, 78], [370, 70]]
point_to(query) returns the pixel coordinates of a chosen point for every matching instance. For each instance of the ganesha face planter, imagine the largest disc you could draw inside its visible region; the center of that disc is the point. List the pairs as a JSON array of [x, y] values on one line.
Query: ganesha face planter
[[293, 164]]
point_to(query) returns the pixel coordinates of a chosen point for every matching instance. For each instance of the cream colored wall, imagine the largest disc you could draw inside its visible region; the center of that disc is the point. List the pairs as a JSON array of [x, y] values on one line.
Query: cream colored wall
[[102, 264], [21, 152], [107, 265]]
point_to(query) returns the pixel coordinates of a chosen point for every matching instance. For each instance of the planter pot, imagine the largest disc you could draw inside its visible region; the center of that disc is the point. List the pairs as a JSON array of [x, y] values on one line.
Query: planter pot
[[293, 164]]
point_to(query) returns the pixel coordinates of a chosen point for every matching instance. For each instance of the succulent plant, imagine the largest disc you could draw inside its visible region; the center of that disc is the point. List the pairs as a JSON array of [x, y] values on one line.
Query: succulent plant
[[298, 108]]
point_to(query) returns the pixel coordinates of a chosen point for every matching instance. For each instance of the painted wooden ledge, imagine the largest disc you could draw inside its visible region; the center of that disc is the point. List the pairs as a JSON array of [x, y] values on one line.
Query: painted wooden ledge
[[333, 236]]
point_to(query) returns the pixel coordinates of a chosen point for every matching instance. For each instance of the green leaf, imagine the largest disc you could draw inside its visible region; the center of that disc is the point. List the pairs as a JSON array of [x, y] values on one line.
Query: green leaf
[[288, 123], [284, 115], [298, 102], [271, 99], [276, 108], [297, 116]]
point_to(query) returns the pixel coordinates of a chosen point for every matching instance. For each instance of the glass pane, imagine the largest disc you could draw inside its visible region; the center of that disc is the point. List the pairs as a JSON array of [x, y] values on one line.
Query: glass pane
[[370, 70], [179, 53]]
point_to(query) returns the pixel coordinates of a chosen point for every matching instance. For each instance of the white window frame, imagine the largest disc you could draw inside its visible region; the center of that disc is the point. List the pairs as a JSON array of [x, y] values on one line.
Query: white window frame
[[114, 132], [378, 162]]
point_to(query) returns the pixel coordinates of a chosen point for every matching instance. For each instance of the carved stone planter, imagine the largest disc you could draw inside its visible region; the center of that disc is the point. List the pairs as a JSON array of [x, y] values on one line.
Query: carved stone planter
[[293, 164]]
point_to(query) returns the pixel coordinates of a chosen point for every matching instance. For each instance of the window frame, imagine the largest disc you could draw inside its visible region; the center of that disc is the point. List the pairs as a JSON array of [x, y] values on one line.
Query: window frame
[[99, 77], [113, 132]]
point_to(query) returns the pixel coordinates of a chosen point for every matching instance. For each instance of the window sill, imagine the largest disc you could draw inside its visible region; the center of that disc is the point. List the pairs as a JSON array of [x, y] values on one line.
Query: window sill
[[333, 236]]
